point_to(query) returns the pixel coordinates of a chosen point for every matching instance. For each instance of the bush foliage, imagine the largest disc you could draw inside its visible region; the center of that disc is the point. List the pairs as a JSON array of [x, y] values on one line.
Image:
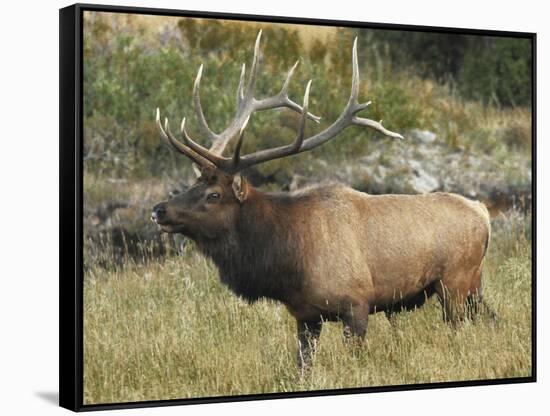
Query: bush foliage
[[490, 69]]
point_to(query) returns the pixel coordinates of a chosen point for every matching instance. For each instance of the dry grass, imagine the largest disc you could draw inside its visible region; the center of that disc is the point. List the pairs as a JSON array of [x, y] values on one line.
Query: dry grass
[[171, 330], [148, 26]]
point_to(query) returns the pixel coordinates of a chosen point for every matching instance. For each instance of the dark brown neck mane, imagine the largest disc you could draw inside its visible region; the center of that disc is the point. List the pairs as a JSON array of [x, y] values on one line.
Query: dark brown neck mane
[[259, 257]]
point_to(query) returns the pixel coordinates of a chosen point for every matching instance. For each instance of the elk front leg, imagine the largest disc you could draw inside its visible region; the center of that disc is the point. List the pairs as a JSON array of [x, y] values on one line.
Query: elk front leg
[[308, 334], [355, 324], [391, 315]]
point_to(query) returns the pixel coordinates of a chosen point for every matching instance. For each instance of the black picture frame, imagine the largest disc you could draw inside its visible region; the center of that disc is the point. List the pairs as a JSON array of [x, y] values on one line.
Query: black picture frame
[[71, 206]]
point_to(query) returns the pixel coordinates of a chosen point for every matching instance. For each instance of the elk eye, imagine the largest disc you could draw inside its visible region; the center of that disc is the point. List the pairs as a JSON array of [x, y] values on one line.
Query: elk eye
[[214, 196]]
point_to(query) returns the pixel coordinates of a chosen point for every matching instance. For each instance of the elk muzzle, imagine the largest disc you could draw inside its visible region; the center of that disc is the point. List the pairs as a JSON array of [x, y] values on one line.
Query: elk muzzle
[[159, 213]]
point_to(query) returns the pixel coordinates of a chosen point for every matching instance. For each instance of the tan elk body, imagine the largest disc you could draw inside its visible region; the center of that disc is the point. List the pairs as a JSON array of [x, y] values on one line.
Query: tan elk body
[[327, 252], [382, 250]]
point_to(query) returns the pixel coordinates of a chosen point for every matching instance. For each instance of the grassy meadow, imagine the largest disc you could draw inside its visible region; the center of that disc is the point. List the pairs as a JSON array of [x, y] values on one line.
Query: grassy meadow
[[158, 324]]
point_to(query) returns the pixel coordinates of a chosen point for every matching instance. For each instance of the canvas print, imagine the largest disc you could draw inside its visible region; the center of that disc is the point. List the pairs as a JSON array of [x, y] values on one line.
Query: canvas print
[[276, 207]]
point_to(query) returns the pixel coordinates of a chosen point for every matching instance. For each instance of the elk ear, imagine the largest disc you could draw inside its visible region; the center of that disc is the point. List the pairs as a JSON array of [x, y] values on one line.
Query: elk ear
[[240, 187]]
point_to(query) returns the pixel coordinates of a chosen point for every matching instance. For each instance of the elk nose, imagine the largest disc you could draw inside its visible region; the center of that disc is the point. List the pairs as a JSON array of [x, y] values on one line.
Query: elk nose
[[159, 211]]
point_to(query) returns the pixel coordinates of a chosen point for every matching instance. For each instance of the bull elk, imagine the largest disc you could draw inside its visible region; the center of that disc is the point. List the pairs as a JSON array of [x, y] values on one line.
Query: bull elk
[[326, 252]]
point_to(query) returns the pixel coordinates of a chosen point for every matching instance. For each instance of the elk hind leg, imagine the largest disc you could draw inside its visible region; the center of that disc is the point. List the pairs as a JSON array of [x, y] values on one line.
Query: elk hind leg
[[453, 302], [478, 307]]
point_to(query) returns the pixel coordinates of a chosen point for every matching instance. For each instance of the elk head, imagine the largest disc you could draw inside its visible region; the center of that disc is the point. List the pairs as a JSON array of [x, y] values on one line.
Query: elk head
[[208, 208]]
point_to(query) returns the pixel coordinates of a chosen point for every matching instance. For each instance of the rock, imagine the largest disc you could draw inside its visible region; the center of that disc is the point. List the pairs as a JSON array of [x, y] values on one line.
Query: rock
[[421, 181], [424, 136]]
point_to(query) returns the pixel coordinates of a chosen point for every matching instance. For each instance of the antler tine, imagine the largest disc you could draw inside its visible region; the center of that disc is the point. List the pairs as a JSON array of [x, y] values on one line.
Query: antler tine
[[366, 122], [169, 139], [240, 92], [353, 99], [237, 152], [255, 66], [302, 128], [357, 107], [284, 90], [203, 125], [197, 148], [354, 96]]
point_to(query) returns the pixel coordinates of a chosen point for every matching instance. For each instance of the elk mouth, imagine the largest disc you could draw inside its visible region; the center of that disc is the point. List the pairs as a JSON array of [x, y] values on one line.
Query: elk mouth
[[167, 227], [162, 227], [170, 229]]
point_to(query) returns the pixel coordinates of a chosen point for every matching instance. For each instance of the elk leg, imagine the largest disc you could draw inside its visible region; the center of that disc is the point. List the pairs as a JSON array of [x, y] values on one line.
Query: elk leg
[[444, 297], [476, 306], [391, 315], [308, 334], [355, 324], [475, 303], [453, 302]]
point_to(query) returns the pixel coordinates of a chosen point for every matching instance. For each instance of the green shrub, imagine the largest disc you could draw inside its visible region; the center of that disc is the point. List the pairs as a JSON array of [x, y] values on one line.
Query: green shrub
[[490, 69]]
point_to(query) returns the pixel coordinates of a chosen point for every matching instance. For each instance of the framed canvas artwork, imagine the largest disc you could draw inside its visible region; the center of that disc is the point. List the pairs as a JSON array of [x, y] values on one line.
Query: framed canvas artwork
[[256, 207]]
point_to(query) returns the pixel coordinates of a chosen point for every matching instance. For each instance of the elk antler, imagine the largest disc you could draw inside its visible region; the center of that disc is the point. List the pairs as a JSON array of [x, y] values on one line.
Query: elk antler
[[246, 104], [347, 118], [174, 143]]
